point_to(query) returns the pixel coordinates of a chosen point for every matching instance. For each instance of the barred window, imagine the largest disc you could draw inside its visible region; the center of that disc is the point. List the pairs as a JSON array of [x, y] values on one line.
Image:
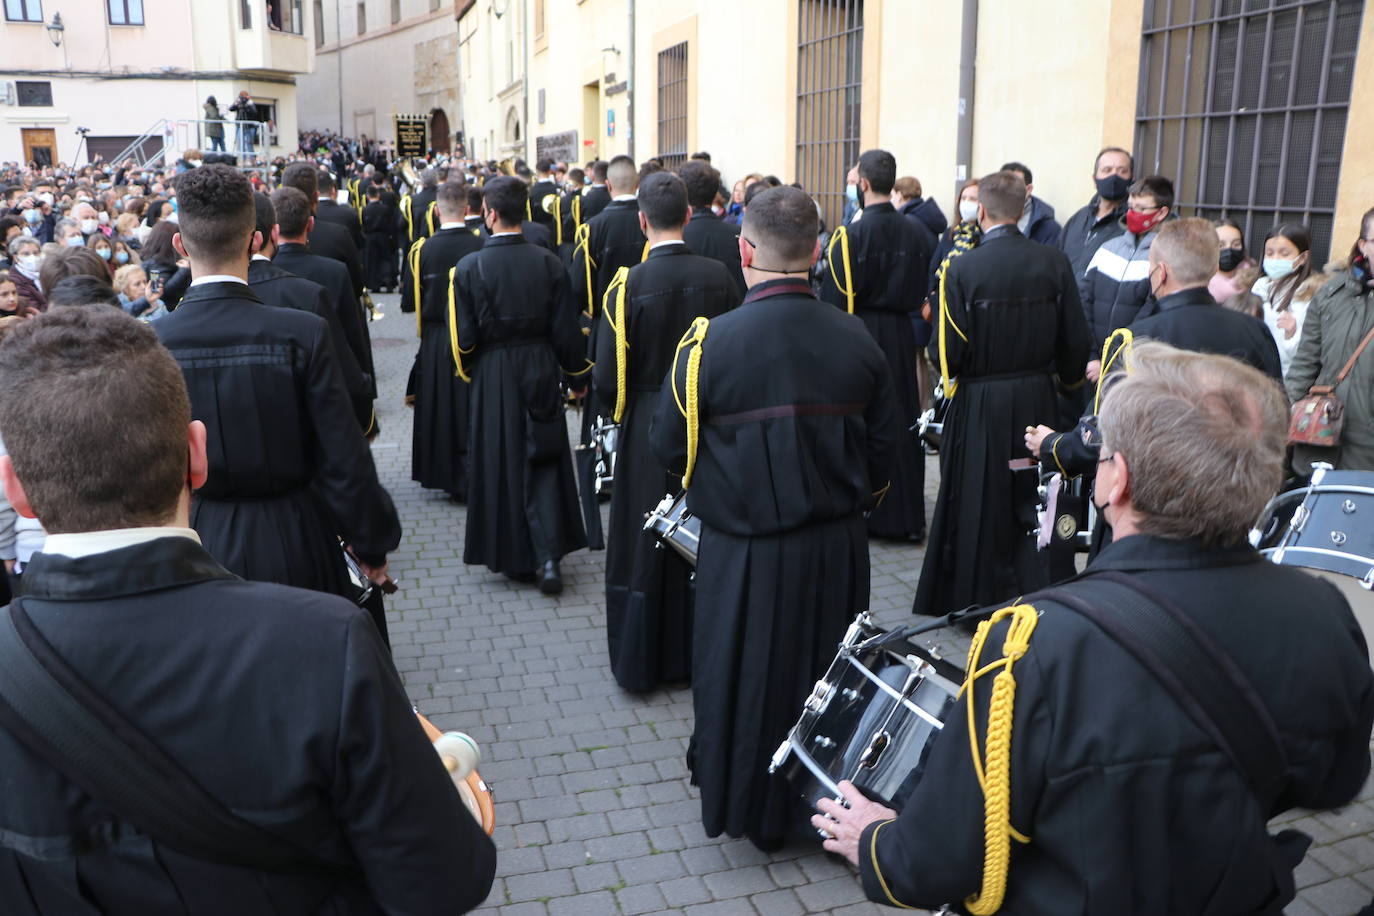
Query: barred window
[[829, 89], [672, 105], [1243, 103]]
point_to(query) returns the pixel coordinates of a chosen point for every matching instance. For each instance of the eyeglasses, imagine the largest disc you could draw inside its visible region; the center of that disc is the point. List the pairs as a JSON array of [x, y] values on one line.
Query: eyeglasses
[[1105, 458], [1146, 209]]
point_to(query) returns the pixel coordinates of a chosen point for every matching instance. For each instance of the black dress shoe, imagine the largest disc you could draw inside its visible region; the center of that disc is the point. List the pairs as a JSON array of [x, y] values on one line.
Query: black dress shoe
[[550, 582]]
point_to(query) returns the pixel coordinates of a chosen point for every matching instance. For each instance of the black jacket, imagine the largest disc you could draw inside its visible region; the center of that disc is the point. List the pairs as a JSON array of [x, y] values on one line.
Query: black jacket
[[1192, 320], [594, 201], [331, 211], [333, 241], [1084, 233], [716, 239], [280, 702], [303, 261], [538, 191]]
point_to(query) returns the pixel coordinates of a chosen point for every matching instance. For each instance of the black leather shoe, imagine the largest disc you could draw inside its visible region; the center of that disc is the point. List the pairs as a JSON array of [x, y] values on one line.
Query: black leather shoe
[[550, 582]]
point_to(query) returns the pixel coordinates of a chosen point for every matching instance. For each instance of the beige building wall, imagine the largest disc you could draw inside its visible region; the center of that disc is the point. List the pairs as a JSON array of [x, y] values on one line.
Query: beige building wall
[[491, 68], [1357, 161]]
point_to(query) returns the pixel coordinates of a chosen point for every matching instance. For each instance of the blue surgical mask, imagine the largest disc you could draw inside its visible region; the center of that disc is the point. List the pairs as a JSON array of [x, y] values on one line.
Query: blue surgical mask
[[104, 253], [122, 257], [75, 241], [1278, 268], [32, 215], [851, 191]]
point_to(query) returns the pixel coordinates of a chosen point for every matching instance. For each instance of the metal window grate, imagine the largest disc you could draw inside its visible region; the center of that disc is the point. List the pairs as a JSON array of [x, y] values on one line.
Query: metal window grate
[[34, 94], [1243, 103], [829, 90], [672, 105]]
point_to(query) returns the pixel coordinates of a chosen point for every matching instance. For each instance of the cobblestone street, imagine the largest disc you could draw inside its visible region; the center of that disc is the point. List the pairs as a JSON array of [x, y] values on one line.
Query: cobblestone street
[[594, 811]]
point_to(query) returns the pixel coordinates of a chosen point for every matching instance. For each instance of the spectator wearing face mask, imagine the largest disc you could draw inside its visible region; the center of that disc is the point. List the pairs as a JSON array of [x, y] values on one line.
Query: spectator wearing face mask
[[86, 218], [1236, 270], [103, 250], [123, 253], [1037, 221], [25, 253], [36, 216], [1100, 221], [965, 228], [1287, 286], [68, 232]]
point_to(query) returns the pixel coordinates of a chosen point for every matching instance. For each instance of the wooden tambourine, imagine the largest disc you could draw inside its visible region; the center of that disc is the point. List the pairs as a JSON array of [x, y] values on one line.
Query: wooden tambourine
[[460, 756]]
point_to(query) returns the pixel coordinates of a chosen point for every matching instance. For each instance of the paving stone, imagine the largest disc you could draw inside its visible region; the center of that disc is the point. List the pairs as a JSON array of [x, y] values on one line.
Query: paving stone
[[738, 882], [778, 903], [1341, 897], [543, 885], [684, 891]]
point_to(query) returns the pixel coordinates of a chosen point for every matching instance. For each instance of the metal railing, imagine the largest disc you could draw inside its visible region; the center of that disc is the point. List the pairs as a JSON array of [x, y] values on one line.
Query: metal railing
[[168, 138]]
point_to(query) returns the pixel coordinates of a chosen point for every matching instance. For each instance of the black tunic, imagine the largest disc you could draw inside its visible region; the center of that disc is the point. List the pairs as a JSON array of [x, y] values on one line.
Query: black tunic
[[517, 335], [379, 245], [797, 422], [889, 258], [1017, 304], [614, 241], [286, 290], [712, 237], [594, 201], [538, 192], [440, 433], [648, 591], [416, 215], [1131, 808], [281, 703], [333, 241], [331, 211], [289, 471]]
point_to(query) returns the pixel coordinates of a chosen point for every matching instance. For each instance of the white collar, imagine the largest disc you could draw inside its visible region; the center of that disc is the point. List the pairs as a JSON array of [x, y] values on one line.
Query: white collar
[[219, 278], [259, 256], [602, 185], [88, 543], [497, 235], [666, 242], [620, 197], [451, 225]]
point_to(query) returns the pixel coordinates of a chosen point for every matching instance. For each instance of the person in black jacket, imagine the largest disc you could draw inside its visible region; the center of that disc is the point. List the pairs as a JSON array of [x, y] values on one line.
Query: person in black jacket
[[597, 195], [542, 195], [1101, 219], [330, 240], [379, 241], [246, 113], [707, 234], [281, 704], [1131, 807], [329, 210]]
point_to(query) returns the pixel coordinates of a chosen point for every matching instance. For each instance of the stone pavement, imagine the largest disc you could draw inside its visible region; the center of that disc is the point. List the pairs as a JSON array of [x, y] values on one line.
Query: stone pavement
[[594, 811]]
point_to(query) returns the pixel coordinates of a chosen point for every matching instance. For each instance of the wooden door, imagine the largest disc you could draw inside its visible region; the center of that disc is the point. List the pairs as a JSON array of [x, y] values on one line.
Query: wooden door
[[40, 145]]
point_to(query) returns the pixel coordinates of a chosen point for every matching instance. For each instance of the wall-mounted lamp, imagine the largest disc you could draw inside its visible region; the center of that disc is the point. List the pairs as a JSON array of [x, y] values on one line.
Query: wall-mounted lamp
[[55, 30]]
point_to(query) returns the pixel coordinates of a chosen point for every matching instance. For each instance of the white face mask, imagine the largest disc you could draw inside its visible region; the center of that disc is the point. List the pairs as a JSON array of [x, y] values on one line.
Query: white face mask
[[75, 241], [103, 217], [89, 225], [29, 262], [968, 210]]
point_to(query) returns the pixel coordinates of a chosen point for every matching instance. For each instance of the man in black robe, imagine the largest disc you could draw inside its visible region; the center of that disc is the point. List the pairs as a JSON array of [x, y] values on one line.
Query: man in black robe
[[379, 241], [295, 255], [516, 335], [877, 270], [289, 473], [329, 210], [280, 288], [543, 193], [440, 435], [707, 234], [569, 215], [1011, 321], [597, 195], [791, 443], [647, 310], [329, 240], [279, 703]]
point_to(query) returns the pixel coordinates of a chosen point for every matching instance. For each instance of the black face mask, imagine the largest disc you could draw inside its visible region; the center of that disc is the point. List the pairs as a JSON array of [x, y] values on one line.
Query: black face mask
[[1113, 187], [1230, 258]]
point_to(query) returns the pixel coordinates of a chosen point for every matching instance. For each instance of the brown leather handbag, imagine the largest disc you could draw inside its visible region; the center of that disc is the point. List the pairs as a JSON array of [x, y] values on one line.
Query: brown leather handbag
[[1318, 418]]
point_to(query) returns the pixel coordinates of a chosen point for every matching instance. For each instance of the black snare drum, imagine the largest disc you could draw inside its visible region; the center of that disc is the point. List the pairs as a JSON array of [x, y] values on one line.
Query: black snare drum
[[676, 527], [1327, 525], [871, 719]]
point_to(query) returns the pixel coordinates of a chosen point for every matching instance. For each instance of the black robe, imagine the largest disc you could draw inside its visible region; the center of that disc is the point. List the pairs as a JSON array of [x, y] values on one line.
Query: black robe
[[333, 241], [289, 471], [379, 245], [538, 192], [304, 262], [1017, 304], [648, 590], [517, 335], [281, 703], [440, 434], [889, 258], [331, 211], [416, 218], [712, 237], [594, 200], [797, 424]]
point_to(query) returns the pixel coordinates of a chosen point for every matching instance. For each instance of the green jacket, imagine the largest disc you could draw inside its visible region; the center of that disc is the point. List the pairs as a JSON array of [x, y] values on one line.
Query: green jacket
[[212, 113]]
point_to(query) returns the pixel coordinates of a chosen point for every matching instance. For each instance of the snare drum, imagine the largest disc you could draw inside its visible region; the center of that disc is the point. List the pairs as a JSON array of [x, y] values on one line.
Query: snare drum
[[475, 793], [605, 442], [1327, 525], [675, 526], [931, 425], [871, 719]]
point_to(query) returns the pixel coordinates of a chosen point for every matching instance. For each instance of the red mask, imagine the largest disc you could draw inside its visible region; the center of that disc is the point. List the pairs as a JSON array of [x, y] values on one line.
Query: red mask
[[1138, 223]]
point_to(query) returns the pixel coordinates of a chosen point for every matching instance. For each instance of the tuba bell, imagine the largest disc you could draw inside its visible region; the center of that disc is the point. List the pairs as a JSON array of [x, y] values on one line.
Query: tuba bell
[[409, 175]]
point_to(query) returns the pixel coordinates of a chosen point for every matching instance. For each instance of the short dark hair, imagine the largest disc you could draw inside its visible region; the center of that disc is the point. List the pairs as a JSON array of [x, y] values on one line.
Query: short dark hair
[[702, 155], [215, 212], [81, 289], [91, 457], [754, 189], [577, 175], [324, 181], [452, 197], [879, 168], [599, 168], [544, 165], [474, 198], [1019, 169], [1114, 149], [71, 262], [266, 215], [702, 182], [622, 167], [303, 177], [649, 167], [374, 192], [506, 197], [663, 200], [293, 211], [782, 223], [1157, 187], [1002, 194]]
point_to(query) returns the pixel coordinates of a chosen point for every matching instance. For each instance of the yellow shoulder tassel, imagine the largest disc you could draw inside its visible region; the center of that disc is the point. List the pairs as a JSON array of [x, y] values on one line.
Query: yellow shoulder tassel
[[841, 237], [410, 222], [620, 325], [429, 216], [458, 351], [414, 257], [528, 215], [558, 220], [691, 410], [994, 765], [583, 239], [1109, 358], [644, 255]]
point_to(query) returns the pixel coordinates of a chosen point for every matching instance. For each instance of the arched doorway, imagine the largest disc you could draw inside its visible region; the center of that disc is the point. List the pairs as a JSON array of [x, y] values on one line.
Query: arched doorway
[[439, 137]]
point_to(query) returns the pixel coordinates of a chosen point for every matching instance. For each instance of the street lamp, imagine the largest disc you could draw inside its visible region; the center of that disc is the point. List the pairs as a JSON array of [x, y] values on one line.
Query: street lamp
[[55, 30]]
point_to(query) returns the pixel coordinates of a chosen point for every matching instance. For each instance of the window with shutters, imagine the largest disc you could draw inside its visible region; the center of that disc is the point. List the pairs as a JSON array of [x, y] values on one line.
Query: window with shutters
[[830, 37], [672, 105], [1243, 103]]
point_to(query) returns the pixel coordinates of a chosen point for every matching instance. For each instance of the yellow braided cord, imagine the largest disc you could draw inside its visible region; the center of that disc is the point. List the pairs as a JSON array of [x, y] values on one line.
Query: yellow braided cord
[[841, 236], [410, 222], [453, 329], [430, 214], [1127, 345], [878, 870], [583, 239], [577, 211], [644, 255], [963, 241], [528, 215], [620, 324], [694, 338], [994, 766], [415, 280], [558, 220]]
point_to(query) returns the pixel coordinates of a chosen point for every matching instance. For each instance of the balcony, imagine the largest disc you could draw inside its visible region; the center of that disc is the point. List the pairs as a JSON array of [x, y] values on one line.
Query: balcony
[[259, 45]]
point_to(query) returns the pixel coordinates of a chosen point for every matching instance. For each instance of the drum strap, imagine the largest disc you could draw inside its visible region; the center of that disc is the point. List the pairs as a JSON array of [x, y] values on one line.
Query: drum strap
[[62, 720], [1201, 677]]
